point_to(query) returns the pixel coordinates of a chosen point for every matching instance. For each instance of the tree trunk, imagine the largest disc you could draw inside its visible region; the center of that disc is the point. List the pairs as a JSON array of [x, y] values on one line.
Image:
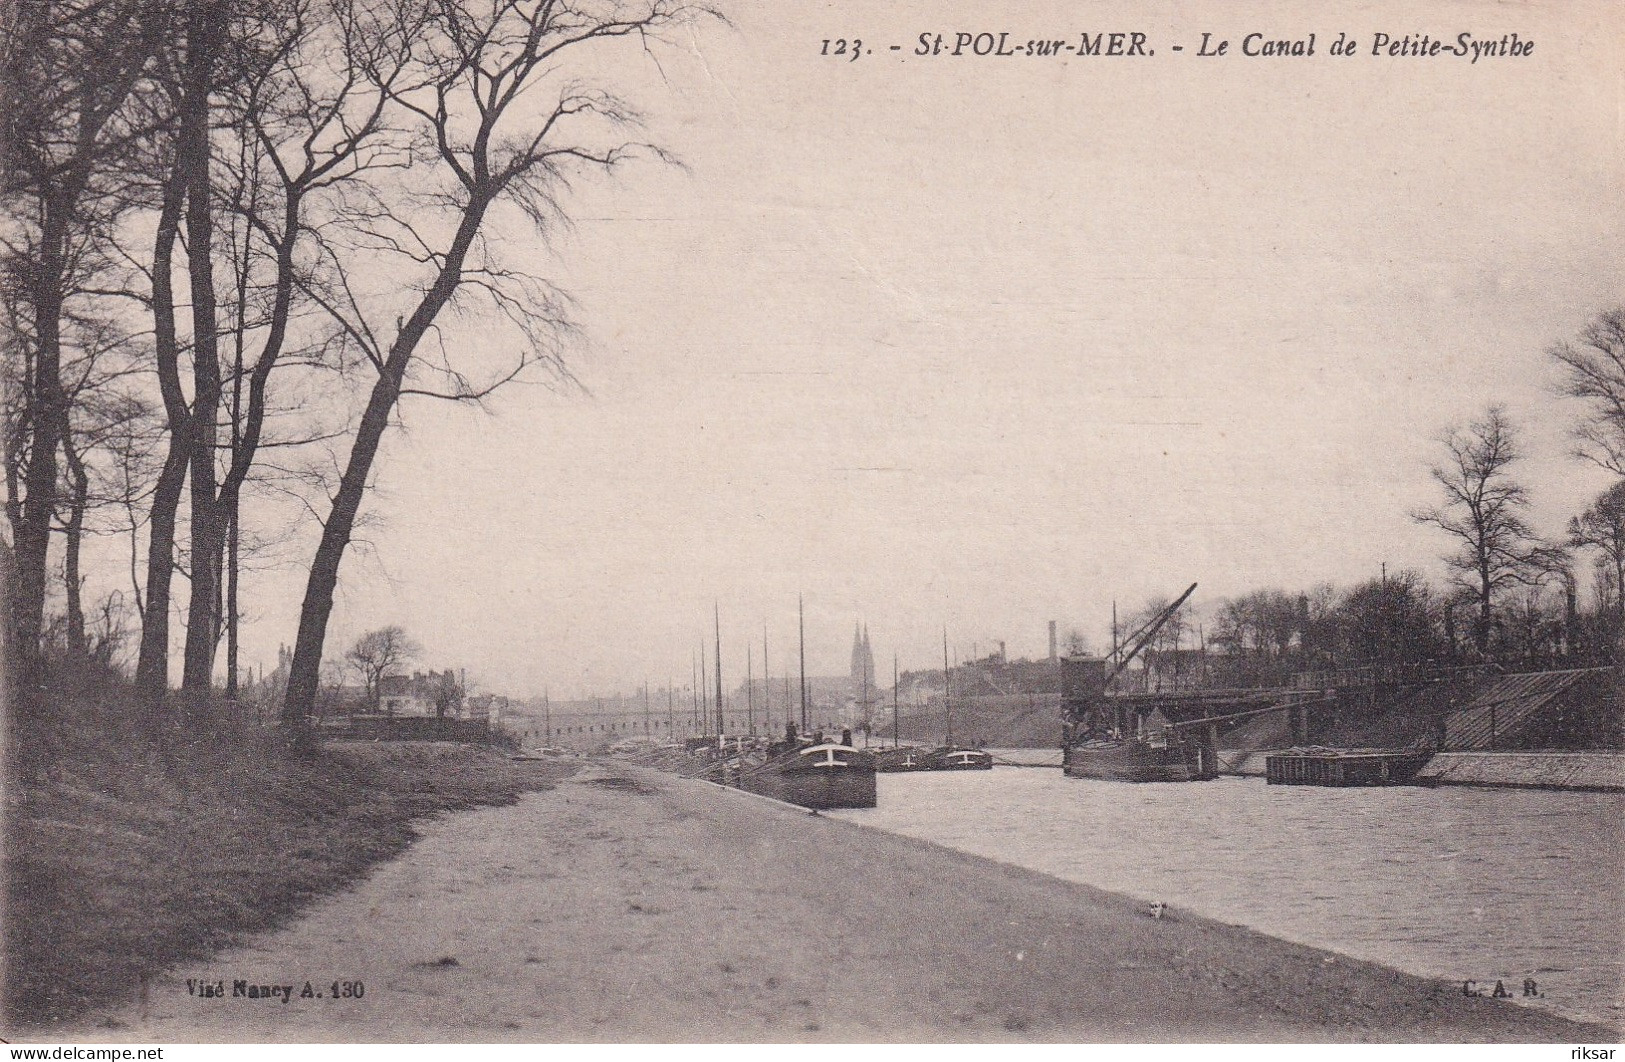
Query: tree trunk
[[98, 92], [47, 415], [305, 672], [231, 605], [1619, 585], [230, 507], [208, 537], [72, 583], [152, 666], [247, 427]]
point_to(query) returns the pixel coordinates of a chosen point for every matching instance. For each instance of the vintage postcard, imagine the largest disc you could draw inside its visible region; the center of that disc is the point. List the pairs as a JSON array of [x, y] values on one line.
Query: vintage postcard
[[649, 521]]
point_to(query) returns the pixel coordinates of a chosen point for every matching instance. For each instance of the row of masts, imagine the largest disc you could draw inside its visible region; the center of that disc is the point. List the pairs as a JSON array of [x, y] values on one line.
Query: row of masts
[[702, 691], [1124, 649], [702, 718]]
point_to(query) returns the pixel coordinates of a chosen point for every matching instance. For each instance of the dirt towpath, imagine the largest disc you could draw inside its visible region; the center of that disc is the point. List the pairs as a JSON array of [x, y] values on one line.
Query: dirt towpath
[[630, 905]]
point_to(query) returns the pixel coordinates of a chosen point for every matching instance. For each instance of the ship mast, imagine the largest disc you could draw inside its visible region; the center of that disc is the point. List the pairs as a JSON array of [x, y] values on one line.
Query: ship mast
[[721, 722], [894, 700], [947, 688], [801, 622], [863, 665]]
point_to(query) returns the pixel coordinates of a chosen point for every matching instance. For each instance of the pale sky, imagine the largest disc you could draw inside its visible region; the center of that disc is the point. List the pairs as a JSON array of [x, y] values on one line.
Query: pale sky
[[981, 343]]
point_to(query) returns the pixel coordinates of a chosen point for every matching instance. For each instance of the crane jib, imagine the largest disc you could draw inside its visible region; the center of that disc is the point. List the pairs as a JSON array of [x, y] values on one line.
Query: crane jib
[[1141, 638]]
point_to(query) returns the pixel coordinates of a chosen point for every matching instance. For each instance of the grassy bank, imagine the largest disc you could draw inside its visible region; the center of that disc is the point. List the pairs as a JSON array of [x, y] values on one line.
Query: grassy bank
[[125, 856]]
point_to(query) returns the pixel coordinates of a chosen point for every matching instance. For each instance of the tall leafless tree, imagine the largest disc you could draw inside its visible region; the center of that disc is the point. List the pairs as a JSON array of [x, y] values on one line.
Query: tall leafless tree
[[488, 144], [1484, 511], [276, 105], [377, 653], [152, 662], [1602, 528], [71, 72], [309, 98], [205, 49], [104, 421], [1593, 372]]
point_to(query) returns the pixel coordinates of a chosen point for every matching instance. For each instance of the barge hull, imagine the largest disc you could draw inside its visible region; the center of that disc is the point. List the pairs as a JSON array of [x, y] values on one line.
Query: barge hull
[[1345, 769], [820, 790], [1131, 763]]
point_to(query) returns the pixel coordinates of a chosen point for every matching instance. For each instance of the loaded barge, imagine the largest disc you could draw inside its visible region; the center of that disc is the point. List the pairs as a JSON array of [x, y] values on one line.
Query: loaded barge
[[1344, 767]]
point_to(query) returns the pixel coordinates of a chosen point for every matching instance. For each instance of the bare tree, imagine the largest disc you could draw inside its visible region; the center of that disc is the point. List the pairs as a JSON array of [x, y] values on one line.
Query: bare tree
[[103, 422], [1602, 528], [1594, 373], [152, 662], [310, 97], [275, 107], [1258, 633], [378, 652], [1162, 656], [1535, 626], [474, 94], [70, 72], [1484, 511], [1322, 624]]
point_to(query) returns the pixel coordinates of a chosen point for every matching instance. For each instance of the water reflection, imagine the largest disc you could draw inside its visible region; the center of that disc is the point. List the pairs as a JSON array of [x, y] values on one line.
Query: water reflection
[[1480, 884]]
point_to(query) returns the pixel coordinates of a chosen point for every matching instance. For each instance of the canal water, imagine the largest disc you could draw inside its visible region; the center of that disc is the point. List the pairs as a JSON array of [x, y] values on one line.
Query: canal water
[[1480, 885]]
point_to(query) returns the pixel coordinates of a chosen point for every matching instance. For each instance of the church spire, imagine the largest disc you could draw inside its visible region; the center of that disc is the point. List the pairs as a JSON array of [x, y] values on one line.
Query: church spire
[[863, 658]]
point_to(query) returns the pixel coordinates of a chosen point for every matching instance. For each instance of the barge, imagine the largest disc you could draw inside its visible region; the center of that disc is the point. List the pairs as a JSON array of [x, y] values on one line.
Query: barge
[[1101, 740], [900, 759], [1344, 767], [1171, 759], [953, 758], [820, 777], [947, 758]]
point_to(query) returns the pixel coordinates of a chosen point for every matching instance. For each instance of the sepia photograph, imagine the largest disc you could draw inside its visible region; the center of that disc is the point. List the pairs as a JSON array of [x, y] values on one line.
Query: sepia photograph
[[633, 522]]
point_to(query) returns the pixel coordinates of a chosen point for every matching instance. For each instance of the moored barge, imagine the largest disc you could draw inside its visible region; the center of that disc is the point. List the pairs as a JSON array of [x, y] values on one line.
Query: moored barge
[[1174, 759], [954, 758], [900, 759], [904, 758], [1100, 739], [1344, 767], [820, 777]]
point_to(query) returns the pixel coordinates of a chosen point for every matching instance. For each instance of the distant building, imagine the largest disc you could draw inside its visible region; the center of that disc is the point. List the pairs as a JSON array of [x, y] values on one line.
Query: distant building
[[269, 687], [862, 673], [422, 694]]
